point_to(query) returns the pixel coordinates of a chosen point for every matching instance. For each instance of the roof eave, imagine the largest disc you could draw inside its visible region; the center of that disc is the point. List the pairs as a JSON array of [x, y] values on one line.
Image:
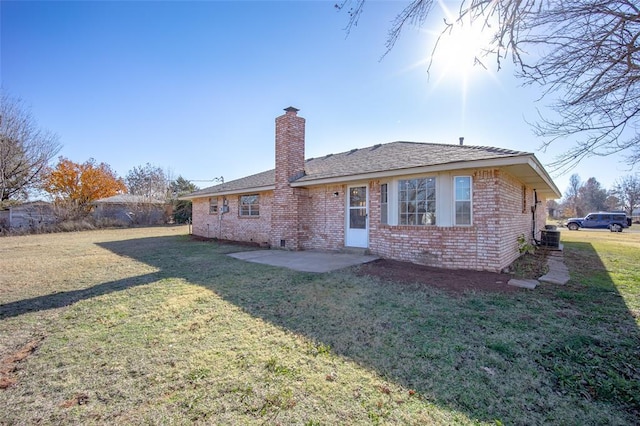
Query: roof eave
[[229, 192], [547, 188]]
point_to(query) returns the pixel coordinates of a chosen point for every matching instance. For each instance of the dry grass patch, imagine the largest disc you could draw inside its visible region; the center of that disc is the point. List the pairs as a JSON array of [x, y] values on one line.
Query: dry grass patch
[[155, 328]]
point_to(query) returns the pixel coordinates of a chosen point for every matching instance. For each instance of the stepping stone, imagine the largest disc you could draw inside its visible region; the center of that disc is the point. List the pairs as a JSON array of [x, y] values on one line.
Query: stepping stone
[[555, 278], [530, 284]]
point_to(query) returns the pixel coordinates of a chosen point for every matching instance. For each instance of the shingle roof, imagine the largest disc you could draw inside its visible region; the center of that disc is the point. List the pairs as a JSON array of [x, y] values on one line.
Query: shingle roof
[[378, 158], [397, 156], [259, 180], [127, 199]]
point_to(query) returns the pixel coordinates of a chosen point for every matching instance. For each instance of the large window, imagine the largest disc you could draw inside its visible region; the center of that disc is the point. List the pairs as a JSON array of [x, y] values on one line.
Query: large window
[[213, 205], [417, 201], [384, 204], [462, 194], [250, 205]]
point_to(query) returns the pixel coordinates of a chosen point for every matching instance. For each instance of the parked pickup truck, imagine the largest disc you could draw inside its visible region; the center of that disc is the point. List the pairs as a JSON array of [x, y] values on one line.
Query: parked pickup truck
[[613, 221]]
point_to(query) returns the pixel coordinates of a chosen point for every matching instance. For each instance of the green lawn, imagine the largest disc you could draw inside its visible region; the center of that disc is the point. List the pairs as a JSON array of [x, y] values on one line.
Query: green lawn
[[146, 326]]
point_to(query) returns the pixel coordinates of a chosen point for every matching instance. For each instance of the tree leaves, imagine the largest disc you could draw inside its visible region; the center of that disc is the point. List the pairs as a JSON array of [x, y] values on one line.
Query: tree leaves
[[77, 185]]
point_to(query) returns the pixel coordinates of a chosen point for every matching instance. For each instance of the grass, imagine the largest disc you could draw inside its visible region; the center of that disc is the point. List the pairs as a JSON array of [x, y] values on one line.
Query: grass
[[145, 326]]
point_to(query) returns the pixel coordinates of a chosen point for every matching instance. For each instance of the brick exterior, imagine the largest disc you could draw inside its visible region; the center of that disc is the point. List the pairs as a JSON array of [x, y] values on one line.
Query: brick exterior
[[490, 243], [313, 218], [230, 225], [286, 228], [323, 218]]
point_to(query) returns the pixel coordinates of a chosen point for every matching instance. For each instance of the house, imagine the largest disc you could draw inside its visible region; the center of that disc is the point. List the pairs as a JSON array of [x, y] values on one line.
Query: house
[[452, 206], [27, 216], [132, 209]]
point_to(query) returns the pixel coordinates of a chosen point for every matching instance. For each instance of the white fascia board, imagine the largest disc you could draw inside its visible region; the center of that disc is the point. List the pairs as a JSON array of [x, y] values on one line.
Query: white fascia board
[[537, 167], [231, 192]]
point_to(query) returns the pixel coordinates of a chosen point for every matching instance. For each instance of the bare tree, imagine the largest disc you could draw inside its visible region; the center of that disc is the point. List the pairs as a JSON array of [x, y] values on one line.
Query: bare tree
[[585, 54], [572, 195], [25, 150], [627, 189], [148, 181]]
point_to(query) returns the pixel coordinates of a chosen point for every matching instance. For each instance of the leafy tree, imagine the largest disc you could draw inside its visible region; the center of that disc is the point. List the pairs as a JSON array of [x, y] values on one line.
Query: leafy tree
[[25, 150], [585, 54], [612, 203], [627, 189], [147, 181], [75, 186], [593, 197], [181, 208]]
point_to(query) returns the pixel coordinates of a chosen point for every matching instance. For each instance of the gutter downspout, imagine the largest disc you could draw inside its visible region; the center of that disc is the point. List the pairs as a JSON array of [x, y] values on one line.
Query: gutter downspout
[[534, 209]]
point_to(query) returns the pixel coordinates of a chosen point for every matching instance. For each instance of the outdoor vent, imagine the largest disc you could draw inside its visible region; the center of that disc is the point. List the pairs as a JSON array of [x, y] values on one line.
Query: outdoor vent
[[282, 243]]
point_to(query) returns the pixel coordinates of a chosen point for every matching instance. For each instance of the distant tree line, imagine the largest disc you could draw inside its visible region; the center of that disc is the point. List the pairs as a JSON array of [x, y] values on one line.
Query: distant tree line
[[26, 153], [581, 198]]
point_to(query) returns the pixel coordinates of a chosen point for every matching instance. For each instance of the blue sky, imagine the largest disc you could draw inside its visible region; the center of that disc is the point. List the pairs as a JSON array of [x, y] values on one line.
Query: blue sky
[[194, 87]]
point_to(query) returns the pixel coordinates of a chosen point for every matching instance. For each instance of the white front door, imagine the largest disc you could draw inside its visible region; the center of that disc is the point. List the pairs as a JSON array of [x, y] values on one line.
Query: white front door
[[357, 223]]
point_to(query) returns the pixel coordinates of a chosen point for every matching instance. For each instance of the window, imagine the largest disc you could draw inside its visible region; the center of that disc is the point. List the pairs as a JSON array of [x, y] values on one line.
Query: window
[[250, 205], [417, 201], [462, 196], [384, 204], [213, 205]]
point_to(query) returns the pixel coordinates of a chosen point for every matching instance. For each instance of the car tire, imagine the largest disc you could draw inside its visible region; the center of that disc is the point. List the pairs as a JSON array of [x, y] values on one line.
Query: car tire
[[572, 226]]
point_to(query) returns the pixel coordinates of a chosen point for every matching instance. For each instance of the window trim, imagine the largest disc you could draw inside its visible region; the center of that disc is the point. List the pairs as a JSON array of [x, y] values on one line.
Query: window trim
[[456, 200], [213, 205], [399, 202], [384, 205], [253, 209]]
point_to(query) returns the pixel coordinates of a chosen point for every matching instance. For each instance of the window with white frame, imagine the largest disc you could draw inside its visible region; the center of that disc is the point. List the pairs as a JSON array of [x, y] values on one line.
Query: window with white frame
[[384, 204], [417, 201], [213, 205], [250, 205], [462, 197]]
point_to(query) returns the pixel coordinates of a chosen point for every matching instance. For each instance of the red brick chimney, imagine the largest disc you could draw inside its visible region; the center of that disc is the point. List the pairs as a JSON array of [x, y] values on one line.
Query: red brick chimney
[[289, 146], [285, 218]]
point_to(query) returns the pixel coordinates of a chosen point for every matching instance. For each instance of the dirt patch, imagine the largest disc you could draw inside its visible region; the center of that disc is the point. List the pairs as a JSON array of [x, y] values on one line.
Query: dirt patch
[[10, 364], [452, 280], [78, 399]]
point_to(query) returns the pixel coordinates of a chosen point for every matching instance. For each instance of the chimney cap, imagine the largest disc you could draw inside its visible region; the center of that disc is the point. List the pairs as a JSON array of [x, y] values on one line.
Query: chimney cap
[[461, 140], [291, 109]]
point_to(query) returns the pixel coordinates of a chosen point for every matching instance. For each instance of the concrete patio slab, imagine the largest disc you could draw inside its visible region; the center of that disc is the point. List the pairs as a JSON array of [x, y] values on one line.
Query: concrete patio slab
[[304, 261]]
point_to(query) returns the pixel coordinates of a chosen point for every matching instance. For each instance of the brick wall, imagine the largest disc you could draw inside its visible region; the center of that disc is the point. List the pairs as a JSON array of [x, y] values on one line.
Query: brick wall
[[516, 217], [285, 226], [322, 218], [230, 225], [489, 244]]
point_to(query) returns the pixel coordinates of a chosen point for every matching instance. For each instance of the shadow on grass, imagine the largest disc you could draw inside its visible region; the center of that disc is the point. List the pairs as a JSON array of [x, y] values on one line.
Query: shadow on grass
[[553, 355], [67, 298], [564, 355]]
